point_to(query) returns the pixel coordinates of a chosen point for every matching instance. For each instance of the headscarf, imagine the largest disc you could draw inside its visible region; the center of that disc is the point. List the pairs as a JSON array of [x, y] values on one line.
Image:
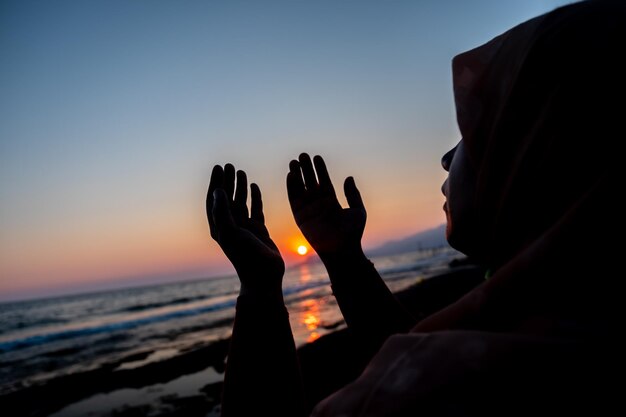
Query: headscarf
[[540, 109]]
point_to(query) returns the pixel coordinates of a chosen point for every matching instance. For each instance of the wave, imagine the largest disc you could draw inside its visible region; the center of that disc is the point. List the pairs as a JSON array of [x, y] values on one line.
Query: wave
[[25, 342], [148, 306], [292, 289], [389, 274], [39, 339], [26, 323]]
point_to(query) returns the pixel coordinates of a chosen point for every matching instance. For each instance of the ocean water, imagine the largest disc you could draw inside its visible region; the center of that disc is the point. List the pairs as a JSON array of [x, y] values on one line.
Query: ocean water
[[43, 339]]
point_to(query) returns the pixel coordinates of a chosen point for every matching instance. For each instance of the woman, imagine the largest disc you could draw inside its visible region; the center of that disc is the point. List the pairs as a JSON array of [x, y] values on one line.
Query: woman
[[530, 194]]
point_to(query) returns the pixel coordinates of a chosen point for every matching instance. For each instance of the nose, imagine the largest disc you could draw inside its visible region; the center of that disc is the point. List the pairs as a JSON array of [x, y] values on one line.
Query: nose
[[446, 159]]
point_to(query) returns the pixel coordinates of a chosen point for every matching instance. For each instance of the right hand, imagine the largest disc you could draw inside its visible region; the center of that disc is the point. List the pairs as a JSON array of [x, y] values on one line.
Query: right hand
[[243, 236], [330, 229]]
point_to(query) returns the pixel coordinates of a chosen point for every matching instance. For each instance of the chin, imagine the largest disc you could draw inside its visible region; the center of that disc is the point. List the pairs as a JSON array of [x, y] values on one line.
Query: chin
[[458, 240], [455, 243]]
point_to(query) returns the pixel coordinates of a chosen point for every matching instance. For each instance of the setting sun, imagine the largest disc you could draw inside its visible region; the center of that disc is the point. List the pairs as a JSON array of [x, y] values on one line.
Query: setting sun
[[302, 250]]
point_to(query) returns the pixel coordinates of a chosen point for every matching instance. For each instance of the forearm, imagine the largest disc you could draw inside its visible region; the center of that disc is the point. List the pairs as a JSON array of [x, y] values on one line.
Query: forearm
[[367, 304], [262, 372]]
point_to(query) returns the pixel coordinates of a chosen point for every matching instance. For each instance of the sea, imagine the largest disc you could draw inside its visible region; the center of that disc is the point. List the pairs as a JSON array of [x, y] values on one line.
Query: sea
[[44, 339]]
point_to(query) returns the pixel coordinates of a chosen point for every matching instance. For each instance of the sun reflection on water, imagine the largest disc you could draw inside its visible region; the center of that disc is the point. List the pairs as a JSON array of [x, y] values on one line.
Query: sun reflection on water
[[309, 316], [305, 273]]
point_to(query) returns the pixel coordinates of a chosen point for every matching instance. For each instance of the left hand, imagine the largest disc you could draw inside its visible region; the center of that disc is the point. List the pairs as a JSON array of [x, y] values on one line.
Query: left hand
[[243, 238]]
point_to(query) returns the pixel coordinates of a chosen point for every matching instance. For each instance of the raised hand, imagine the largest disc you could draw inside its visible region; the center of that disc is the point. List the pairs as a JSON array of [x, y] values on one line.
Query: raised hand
[[243, 237], [330, 229], [335, 233]]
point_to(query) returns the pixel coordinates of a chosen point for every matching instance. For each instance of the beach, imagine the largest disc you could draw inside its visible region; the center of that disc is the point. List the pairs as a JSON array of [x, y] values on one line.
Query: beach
[[160, 351]]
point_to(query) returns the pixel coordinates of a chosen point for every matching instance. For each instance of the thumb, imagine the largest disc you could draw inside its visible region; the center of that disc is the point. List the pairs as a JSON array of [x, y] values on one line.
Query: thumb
[[352, 194], [222, 217]]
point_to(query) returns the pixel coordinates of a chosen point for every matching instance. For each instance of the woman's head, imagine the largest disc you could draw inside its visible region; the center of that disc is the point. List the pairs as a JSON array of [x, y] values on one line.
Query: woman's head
[[540, 110]]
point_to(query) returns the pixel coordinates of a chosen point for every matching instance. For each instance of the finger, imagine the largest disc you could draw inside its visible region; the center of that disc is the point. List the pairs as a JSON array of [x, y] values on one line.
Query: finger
[[352, 194], [307, 172], [229, 180], [256, 204], [294, 166], [217, 180], [295, 186], [241, 192], [224, 222], [241, 195], [326, 184]]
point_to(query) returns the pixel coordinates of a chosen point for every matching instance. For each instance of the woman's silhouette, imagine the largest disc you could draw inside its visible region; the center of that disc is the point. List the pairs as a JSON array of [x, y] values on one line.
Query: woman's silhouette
[[531, 194]]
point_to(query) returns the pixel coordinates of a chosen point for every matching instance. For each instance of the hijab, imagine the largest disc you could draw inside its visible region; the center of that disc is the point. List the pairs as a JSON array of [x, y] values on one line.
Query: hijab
[[540, 109]]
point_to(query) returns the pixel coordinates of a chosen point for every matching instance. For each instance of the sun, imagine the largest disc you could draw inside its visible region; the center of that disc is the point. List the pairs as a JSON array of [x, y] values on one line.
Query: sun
[[302, 250]]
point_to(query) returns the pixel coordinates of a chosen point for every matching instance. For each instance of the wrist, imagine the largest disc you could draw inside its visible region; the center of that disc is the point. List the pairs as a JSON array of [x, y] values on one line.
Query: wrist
[[260, 304], [265, 293], [345, 258]]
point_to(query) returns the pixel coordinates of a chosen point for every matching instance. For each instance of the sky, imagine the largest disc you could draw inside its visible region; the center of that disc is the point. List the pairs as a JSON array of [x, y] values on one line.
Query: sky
[[112, 114]]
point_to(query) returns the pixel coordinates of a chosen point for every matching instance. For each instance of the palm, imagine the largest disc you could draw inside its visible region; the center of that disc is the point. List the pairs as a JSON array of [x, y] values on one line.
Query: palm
[[327, 226], [250, 248]]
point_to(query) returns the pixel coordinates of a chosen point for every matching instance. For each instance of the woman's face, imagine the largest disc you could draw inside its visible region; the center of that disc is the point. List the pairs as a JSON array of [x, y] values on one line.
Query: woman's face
[[459, 189]]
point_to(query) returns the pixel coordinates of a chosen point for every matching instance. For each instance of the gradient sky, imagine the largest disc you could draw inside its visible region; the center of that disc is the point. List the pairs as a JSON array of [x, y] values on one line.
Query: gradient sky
[[112, 114]]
